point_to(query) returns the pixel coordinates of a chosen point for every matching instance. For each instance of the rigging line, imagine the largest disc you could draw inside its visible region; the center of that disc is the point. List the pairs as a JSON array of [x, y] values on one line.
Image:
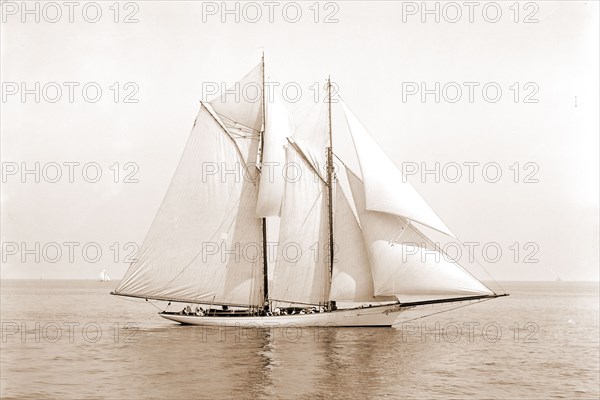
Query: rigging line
[[447, 257], [484, 269], [296, 302], [228, 134], [177, 300], [343, 163], [148, 301], [238, 125], [312, 207], [155, 306], [399, 235], [238, 135], [443, 311], [303, 157], [251, 132]]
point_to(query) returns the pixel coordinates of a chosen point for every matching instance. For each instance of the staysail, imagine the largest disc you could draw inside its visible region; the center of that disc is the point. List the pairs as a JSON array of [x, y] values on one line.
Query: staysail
[[278, 129], [387, 190], [351, 278], [302, 270], [403, 261], [204, 243]]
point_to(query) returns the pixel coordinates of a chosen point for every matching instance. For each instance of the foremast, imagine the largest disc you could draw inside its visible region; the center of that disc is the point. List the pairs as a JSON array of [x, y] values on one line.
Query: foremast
[[266, 303], [330, 304]]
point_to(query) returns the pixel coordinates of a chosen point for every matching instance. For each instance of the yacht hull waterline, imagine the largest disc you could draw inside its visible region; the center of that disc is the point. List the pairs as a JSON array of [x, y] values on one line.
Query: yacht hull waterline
[[376, 316]]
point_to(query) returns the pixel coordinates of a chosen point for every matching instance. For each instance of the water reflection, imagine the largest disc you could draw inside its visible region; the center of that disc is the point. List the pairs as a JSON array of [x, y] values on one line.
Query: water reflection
[[262, 363], [161, 359]]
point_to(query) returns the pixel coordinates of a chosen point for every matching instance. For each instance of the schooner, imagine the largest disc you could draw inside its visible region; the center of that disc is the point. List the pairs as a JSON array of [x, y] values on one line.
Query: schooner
[[207, 245]]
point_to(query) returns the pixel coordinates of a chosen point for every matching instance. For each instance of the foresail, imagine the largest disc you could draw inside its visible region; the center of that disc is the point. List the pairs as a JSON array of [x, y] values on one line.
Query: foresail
[[403, 262], [278, 129], [351, 279], [386, 189], [302, 272], [204, 244]]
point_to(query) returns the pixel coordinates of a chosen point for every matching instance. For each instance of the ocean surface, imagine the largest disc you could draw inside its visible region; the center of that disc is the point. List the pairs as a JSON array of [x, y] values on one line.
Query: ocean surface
[[72, 340]]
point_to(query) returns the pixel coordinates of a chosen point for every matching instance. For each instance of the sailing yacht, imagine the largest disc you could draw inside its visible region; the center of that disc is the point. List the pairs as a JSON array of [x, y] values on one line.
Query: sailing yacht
[[344, 257], [104, 276]]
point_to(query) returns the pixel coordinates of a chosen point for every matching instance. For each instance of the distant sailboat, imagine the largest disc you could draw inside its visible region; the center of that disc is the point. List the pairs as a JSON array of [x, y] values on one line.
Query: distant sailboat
[[104, 276], [204, 217]]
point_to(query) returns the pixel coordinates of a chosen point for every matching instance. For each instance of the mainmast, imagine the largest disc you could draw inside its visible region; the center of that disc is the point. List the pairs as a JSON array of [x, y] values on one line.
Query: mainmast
[[264, 220], [330, 187]]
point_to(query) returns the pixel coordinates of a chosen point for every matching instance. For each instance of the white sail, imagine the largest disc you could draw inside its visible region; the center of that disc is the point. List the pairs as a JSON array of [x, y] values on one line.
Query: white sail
[[386, 189], [204, 243], [278, 129], [104, 276], [403, 262], [240, 105], [310, 130], [302, 269], [351, 279]]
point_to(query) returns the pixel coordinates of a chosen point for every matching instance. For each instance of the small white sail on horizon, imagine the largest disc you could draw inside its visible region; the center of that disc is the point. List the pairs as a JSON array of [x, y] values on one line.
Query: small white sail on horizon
[[103, 276]]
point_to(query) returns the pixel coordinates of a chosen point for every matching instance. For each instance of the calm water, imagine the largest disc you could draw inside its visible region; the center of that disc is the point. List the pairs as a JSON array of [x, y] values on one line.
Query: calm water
[[70, 339]]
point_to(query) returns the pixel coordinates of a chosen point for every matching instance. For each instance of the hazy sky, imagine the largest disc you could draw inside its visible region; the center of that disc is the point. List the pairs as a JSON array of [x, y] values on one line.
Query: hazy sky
[[377, 52]]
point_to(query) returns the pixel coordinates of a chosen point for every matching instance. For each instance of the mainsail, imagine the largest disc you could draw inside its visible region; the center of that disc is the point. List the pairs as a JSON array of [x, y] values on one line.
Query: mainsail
[[302, 269]]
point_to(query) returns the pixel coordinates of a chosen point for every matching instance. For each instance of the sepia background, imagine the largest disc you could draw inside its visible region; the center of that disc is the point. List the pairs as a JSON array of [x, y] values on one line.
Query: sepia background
[[167, 52]]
